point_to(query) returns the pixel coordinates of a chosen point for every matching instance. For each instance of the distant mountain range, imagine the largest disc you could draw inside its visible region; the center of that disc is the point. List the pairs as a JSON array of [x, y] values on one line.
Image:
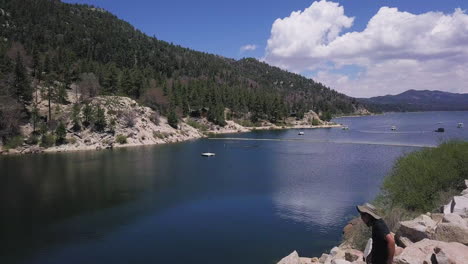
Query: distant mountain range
[[413, 100]]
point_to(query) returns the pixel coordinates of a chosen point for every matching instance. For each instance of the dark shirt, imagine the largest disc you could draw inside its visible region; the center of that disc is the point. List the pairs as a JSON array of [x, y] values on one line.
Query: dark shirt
[[379, 244]]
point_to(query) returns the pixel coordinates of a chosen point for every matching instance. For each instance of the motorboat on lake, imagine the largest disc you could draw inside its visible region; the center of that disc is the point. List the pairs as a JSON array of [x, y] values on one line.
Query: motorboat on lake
[[345, 128], [301, 133], [440, 130], [208, 154], [460, 125], [393, 128]]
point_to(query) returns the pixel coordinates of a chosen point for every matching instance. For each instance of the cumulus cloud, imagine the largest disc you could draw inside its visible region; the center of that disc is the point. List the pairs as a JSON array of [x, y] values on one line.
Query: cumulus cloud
[[249, 47], [398, 50]]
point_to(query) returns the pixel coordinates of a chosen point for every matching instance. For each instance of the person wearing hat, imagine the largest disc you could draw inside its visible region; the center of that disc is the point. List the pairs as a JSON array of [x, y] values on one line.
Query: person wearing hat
[[383, 243]]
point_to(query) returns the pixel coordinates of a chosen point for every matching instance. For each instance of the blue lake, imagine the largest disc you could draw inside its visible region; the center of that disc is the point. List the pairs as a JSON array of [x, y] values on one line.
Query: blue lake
[[262, 196]]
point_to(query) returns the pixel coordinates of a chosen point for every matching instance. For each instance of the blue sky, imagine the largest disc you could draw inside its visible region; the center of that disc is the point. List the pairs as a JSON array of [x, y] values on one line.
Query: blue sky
[[223, 27]]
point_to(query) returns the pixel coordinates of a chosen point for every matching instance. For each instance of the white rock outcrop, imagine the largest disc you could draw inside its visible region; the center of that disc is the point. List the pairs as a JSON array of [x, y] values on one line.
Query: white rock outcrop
[[426, 249]]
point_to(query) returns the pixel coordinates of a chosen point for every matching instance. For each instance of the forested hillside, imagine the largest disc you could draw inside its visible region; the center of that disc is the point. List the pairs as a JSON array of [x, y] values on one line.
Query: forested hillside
[[49, 47], [413, 100]]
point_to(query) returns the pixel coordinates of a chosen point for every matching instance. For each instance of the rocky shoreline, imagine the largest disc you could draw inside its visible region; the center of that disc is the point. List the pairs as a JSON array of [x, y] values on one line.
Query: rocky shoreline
[[138, 125], [431, 238]]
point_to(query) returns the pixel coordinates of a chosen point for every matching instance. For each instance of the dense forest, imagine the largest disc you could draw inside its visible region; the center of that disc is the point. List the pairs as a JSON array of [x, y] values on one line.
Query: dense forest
[[51, 46]]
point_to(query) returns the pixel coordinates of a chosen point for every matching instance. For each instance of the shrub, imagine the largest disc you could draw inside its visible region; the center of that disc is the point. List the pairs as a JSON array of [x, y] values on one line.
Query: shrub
[[47, 140], [417, 180], [60, 134], [33, 139], [172, 120], [76, 119], [71, 140], [315, 122], [160, 135], [14, 142], [88, 114], [121, 139], [128, 118], [155, 118], [195, 124], [100, 121]]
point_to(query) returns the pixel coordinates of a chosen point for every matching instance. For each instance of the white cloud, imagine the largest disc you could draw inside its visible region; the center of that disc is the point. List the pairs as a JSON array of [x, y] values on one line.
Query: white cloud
[[249, 47], [398, 50]]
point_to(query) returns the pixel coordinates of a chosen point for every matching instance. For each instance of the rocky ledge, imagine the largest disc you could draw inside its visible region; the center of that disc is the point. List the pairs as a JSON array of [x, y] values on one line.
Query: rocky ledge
[[432, 238]]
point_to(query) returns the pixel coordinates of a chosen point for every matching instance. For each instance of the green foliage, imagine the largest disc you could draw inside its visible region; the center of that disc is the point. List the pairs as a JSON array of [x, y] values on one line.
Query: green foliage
[[47, 140], [33, 139], [88, 115], [195, 124], [417, 179], [60, 134], [326, 116], [121, 139], [100, 120], [21, 83], [315, 122], [112, 125], [113, 58], [14, 142], [160, 135], [172, 119], [76, 118]]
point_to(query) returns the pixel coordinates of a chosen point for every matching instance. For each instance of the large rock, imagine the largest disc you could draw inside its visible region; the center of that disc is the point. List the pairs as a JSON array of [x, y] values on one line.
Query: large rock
[[403, 241], [292, 258], [353, 255], [458, 205], [417, 229], [426, 249], [452, 229], [340, 261]]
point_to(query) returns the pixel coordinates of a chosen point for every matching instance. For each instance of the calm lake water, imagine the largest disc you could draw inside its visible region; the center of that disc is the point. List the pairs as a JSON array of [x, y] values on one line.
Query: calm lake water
[[259, 199]]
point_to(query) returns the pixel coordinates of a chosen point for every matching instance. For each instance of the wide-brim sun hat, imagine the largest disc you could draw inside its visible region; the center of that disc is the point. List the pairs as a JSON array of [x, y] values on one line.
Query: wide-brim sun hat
[[368, 209]]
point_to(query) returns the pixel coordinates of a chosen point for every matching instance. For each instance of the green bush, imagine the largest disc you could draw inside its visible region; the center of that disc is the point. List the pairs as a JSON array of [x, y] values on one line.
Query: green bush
[[60, 134], [14, 142], [33, 139], [121, 139], [194, 124], [100, 120], [419, 179], [315, 122], [160, 135], [47, 140], [172, 120]]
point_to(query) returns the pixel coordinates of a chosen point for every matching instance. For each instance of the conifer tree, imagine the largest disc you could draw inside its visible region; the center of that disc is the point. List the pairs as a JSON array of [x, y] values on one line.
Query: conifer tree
[[21, 83]]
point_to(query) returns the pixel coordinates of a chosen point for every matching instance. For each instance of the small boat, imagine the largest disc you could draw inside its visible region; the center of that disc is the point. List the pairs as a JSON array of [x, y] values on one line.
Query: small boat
[[345, 128], [440, 130], [460, 125], [301, 133], [393, 128], [208, 154]]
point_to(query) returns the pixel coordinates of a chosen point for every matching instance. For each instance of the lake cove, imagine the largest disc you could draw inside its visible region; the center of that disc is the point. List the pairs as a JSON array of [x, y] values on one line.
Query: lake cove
[[254, 202]]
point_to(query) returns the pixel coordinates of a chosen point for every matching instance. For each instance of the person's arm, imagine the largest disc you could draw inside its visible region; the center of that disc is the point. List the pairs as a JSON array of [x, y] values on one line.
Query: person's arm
[[391, 247]]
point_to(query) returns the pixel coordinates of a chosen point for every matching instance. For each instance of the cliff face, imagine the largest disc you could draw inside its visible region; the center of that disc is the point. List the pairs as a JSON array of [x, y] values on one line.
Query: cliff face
[[430, 238]]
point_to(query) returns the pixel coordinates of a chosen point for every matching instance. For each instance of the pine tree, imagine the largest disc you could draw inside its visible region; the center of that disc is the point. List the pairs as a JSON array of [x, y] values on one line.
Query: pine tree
[[172, 119], [76, 119], [60, 134], [21, 83], [100, 120]]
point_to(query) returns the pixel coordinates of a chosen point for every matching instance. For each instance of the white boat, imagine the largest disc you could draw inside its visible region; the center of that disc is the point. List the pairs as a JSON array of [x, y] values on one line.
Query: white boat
[[393, 128], [208, 154], [301, 133], [345, 128], [460, 125]]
